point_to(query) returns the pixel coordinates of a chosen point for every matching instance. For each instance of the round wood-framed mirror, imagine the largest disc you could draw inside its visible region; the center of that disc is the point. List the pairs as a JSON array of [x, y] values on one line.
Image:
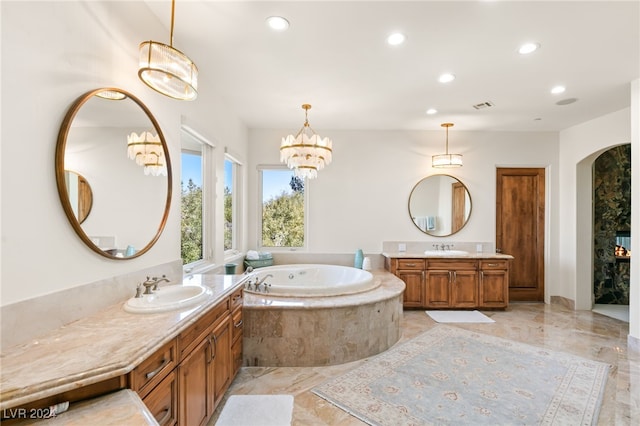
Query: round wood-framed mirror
[[130, 198], [440, 205]]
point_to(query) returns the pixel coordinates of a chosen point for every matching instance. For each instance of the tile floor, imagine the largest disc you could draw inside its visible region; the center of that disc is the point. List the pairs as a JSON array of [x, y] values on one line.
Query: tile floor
[[582, 333]]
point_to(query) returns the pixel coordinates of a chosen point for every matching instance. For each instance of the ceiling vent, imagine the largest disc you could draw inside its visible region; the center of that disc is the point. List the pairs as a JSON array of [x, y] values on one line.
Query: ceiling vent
[[483, 105]]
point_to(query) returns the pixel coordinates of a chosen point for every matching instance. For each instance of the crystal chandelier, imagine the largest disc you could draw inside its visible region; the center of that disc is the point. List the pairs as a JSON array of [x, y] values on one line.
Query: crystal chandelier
[[147, 151], [167, 70], [306, 152], [446, 160]]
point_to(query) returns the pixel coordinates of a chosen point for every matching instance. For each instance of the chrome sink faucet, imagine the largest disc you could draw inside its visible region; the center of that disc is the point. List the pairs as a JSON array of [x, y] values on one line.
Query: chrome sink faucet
[[151, 284]]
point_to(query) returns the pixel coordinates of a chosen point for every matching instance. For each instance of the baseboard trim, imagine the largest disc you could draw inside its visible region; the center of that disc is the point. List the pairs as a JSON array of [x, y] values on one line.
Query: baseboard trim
[[560, 300]]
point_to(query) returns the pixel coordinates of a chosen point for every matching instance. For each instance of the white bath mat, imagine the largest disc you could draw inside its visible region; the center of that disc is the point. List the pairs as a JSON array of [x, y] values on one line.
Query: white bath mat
[[253, 410], [458, 316]]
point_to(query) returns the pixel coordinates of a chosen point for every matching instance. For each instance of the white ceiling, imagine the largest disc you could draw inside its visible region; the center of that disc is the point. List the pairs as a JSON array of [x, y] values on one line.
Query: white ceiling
[[335, 57]]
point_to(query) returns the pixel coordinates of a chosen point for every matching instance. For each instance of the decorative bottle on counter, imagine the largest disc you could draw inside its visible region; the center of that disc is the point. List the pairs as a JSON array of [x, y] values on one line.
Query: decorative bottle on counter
[[358, 259]]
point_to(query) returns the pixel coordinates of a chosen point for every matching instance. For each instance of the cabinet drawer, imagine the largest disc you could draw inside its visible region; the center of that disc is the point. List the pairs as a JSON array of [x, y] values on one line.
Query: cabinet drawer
[[188, 339], [487, 265], [411, 264], [162, 402], [455, 264], [237, 324], [153, 369], [236, 299]]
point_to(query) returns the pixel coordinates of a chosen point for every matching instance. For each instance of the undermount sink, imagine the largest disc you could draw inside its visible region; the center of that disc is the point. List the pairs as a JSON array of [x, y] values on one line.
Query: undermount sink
[[168, 298], [445, 253]]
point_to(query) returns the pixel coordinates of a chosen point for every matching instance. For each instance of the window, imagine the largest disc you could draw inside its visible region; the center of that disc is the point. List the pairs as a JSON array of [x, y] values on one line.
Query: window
[[196, 208], [283, 200], [231, 204]]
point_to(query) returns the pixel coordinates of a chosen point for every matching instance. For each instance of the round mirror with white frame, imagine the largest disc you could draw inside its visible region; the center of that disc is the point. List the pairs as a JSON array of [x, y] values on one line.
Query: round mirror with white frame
[[101, 139], [440, 205]]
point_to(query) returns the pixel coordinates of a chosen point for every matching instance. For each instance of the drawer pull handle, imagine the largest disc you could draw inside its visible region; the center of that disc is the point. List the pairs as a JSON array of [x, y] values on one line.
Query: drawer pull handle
[[211, 353], [236, 297], [214, 347], [165, 417], [150, 374], [238, 324], [492, 264], [410, 264]]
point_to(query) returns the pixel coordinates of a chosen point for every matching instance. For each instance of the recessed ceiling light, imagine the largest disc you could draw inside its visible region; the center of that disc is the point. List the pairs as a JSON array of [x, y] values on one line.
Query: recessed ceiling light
[[558, 89], [432, 111], [277, 23], [446, 78], [527, 48], [396, 39]]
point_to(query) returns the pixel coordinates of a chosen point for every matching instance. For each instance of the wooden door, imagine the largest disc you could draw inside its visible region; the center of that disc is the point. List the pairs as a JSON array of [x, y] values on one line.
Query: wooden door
[[458, 208], [520, 210]]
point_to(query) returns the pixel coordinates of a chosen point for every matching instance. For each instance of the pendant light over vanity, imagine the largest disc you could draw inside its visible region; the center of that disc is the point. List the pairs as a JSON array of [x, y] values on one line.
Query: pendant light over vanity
[[446, 159]]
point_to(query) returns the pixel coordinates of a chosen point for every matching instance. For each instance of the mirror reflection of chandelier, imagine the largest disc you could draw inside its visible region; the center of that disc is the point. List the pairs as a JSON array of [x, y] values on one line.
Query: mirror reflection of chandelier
[[306, 152], [147, 150]]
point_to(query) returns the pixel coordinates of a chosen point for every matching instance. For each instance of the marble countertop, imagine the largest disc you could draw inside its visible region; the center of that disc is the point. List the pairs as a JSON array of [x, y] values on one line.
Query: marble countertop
[[118, 408], [418, 255], [99, 347]]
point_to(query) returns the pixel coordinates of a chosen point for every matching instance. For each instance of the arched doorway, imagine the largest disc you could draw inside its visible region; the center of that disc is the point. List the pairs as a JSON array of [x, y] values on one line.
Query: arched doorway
[[612, 231]]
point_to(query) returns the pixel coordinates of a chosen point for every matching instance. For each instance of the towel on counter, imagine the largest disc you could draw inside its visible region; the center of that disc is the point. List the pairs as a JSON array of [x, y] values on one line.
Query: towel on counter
[[252, 255]]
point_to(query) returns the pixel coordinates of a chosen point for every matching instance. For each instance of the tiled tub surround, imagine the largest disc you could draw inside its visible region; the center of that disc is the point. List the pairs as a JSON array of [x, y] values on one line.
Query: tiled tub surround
[[105, 345], [315, 331]]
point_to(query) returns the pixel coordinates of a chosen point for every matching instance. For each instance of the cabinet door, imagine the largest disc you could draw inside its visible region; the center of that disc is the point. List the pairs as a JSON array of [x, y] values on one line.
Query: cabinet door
[[412, 297], [464, 289], [438, 289], [162, 401], [494, 289], [194, 385], [221, 361]]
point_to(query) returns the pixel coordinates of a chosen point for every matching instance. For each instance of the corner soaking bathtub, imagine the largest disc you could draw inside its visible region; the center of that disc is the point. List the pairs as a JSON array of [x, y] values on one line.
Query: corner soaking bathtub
[[315, 315], [310, 280]]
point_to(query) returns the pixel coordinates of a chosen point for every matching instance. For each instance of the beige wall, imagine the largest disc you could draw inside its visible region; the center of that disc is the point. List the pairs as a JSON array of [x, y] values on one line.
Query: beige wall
[[56, 51], [52, 52]]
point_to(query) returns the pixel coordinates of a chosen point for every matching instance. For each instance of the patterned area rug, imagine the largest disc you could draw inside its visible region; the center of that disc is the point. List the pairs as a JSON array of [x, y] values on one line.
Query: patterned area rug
[[449, 375]]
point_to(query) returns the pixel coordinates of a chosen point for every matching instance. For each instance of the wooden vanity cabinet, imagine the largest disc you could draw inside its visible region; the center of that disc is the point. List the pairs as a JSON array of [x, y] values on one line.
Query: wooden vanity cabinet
[[411, 271], [155, 381], [163, 401], [452, 283], [204, 375], [236, 340], [183, 382], [494, 283]]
